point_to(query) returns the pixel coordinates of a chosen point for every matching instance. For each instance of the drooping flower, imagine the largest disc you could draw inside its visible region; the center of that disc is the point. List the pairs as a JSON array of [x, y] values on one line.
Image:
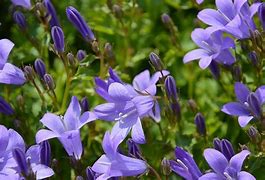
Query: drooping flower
[[248, 105], [224, 169], [114, 164], [213, 47], [66, 128], [9, 74], [24, 3], [184, 165], [234, 17]]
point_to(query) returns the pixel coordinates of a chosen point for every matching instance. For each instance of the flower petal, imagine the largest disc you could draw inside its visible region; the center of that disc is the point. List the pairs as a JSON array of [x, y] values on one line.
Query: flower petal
[[45, 134], [5, 48], [102, 165], [210, 176], [205, 62], [73, 112], [260, 92], [143, 104], [236, 109], [53, 122], [211, 17], [118, 92], [243, 175], [195, 54], [15, 141], [241, 92], [42, 171], [226, 7], [85, 118], [138, 132], [244, 120], [11, 74], [108, 111], [142, 80], [225, 57], [237, 160], [155, 112]]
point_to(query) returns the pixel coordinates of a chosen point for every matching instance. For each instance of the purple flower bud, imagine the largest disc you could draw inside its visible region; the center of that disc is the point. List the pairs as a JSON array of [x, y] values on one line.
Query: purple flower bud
[[133, 149], [108, 52], [117, 11], [171, 90], [20, 20], [175, 107], [193, 106], [165, 19], [261, 13], [39, 67], [78, 21], [217, 144], [254, 105], [227, 149], [155, 61], [45, 153], [200, 124], [114, 76], [90, 174], [215, 70], [84, 104], [254, 58], [165, 164], [20, 158], [71, 59], [51, 13], [80, 55], [29, 73], [237, 73], [254, 134], [49, 82], [58, 38], [5, 108]]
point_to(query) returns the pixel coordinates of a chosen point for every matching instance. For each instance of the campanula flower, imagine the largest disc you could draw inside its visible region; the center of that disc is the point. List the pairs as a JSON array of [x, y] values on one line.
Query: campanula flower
[[51, 12], [213, 47], [66, 128], [248, 105], [114, 164], [24, 3], [224, 169], [9, 74], [184, 165]]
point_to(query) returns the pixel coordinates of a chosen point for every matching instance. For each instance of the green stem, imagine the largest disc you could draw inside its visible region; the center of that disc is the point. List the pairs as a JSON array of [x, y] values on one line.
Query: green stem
[[155, 172], [39, 92]]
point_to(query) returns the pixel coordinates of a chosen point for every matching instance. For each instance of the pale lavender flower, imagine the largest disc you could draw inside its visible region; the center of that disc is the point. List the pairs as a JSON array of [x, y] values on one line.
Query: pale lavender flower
[[24, 3], [213, 47], [9, 74], [234, 17], [184, 165], [248, 104], [66, 128], [114, 164], [224, 169]]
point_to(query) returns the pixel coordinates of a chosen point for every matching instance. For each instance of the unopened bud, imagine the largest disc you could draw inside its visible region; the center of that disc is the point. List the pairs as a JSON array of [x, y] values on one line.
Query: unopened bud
[[254, 134], [175, 107], [20, 20], [117, 11], [39, 67], [165, 166], [108, 52], [199, 121], [237, 73], [80, 55], [171, 89], [84, 104], [29, 73], [45, 153], [217, 144], [155, 61], [215, 70], [58, 38], [133, 149], [71, 59], [49, 82], [193, 106], [90, 174], [254, 58], [51, 13], [227, 149]]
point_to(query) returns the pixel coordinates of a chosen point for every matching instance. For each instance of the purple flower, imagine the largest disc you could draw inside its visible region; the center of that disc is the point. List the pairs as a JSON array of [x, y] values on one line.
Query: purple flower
[[52, 13], [224, 169], [66, 128], [234, 17], [24, 3], [5, 108], [114, 164], [9, 74], [213, 47], [248, 104], [184, 165], [80, 24]]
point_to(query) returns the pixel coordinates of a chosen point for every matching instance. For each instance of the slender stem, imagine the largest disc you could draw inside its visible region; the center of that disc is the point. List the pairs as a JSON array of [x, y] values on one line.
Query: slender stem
[[66, 93], [161, 131], [102, 66], [155, 172], [39, 92]]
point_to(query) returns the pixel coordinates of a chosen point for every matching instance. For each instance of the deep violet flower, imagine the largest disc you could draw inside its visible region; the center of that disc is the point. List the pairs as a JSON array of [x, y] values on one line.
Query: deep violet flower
[[234, 17], [248, 105], [52, 13], [66, 128], [9, 74], [114, 164], [184, 165], [24, 3], [224, 169], [213, 47]]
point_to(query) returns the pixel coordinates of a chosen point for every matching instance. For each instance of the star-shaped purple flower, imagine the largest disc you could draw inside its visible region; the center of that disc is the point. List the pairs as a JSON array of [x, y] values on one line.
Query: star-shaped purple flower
[[248, 105], [224, 169], [9, 74], [114, 164], [66, 128]]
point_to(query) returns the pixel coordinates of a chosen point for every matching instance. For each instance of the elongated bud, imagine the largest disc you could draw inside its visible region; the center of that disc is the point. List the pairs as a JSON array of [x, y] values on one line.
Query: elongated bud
[[45, 153], [254, 105], [193, 106], [79, 23], [261, 13], [171, 89], [258, 38], [166, 19], [5, 108], [90, 174], [80, 55], [254, 58], [29, 73], [71, 59], [133, 149], [84, 104], [20, 20], [49, 82], [254, 134], [227, 149], [155, 61], [117, 11], [237, 73], [199, 121], [39, 67], [108, 52], [58, 38], [20, 158], [215, 70], [165, 166], [175, 107], [217, 144], [51, 13]]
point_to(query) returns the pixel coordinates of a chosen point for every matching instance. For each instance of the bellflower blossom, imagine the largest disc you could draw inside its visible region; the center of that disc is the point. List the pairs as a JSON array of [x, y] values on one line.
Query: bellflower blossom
[[184, 165], [224, 169], [66, 128], [9, 74], [24, 3], [213, 47], [114, 164], [234, 17], [248, 105], [29, 163]]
